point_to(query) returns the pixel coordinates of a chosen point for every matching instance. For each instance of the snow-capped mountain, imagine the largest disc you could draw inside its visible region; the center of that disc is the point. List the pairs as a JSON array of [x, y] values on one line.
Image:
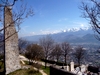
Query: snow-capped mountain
[[76, 29], [74, 36]]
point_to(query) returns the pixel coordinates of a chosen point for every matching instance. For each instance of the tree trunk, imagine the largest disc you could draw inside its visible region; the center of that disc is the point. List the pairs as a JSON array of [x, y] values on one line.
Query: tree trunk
[[45, 62], [65, 59], [79, 62], [57, 58], [30, 62]]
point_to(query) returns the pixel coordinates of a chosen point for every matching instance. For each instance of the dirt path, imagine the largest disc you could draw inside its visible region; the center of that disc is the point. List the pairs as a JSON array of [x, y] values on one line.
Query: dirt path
[[41, 71]]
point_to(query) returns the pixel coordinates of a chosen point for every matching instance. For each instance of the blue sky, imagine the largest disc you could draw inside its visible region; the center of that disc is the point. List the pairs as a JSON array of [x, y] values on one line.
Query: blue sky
[[52, 16]]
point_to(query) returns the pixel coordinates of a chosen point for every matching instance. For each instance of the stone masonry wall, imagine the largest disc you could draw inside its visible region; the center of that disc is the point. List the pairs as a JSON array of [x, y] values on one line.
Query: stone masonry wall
[[11, 43]]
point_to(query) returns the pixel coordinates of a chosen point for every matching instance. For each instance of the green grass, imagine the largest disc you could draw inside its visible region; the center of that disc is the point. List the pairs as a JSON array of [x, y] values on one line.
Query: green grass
[[46, 70], [25, 72], [30, 71], [1, 66]]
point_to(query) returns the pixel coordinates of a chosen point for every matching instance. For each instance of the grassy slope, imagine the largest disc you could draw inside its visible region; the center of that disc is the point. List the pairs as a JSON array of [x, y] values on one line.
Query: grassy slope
[[46, 70], [25, 72]]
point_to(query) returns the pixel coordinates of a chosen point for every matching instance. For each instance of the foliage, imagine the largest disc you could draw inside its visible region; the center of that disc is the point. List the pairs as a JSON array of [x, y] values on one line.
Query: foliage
[[1, 55], [1, 66], [34, 52], [1, 61]]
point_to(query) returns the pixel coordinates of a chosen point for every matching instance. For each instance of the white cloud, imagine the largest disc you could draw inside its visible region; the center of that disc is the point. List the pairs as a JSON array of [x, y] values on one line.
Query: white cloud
[[21, 34], [42, 32], [45, 32], [63, 19], [80, 24], [32, 33], [24, 28], [56, 31], [24, 32], [49, 31]]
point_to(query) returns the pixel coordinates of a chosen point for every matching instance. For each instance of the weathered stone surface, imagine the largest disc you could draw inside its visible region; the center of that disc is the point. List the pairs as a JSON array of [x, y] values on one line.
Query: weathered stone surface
[[11, 43]]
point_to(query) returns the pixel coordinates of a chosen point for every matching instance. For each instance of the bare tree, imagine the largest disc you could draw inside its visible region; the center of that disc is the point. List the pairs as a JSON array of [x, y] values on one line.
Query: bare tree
[[57, 52], [91, 12], [34, 52], [79, 54], [47, 45], [17, 15], [66, 49]]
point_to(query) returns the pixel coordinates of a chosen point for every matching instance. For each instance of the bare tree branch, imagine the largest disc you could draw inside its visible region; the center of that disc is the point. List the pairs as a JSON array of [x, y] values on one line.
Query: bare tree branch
[[92, 13], [18, 17]]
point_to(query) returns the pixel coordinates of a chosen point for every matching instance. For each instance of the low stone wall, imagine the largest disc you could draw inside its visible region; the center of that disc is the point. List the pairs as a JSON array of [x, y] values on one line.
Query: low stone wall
[[56, 71], [93, 69]]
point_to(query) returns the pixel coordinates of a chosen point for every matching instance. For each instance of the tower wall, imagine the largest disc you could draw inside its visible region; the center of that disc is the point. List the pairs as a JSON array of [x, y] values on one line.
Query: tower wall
[[11, 43]]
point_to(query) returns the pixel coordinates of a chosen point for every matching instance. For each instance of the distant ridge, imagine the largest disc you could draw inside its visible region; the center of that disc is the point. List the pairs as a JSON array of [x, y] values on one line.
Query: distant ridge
[[72, 36]]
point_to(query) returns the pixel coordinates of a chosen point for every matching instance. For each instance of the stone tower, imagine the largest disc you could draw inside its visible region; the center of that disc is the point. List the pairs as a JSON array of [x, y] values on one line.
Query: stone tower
[[11, 43]]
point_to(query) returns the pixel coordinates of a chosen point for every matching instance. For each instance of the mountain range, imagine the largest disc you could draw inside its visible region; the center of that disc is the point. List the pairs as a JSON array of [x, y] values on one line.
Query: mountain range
[[73, 36]]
